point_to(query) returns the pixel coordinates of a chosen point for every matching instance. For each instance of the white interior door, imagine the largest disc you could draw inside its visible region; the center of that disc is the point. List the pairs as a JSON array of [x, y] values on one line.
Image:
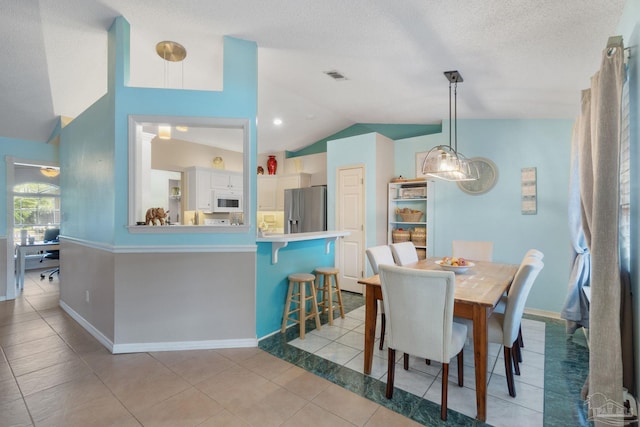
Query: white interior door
[[350, 217]]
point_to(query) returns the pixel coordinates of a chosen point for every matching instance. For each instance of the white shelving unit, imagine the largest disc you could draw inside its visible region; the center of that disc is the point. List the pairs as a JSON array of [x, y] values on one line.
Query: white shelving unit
[[415, 195]]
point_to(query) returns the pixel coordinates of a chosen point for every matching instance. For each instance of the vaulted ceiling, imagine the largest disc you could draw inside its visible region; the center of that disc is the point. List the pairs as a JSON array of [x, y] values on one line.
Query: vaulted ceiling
[[519, 59]]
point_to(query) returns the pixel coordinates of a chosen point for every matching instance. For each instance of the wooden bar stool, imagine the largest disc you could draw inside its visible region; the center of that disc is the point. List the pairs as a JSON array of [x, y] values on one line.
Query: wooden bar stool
[[297, 294], [329, 288]]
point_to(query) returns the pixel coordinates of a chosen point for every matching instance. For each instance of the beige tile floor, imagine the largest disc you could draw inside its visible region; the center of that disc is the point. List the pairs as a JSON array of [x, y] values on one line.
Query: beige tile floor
[[53, 373]]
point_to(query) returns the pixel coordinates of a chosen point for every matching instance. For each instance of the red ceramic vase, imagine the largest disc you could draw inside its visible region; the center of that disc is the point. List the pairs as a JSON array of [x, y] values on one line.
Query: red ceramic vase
[[272, 165]]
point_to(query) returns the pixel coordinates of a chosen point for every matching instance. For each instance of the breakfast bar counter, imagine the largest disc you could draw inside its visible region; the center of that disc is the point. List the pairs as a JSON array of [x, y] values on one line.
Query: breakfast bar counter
[[279, 241], [278, 256]]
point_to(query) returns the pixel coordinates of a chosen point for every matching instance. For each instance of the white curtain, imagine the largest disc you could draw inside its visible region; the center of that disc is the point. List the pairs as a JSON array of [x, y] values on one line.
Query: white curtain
[[576, 306], [599, 152]]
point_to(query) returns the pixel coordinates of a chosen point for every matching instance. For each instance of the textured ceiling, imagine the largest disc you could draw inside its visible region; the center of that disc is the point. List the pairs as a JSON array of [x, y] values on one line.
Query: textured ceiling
[[519, 59]]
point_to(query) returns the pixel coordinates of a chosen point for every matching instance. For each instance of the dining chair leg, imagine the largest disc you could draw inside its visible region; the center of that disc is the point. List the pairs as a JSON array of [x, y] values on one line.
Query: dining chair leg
[[391, 367], [520, 340], [445, 384], [509, 371], [460, 369], [383, 327], [517, 358], [406, 362]]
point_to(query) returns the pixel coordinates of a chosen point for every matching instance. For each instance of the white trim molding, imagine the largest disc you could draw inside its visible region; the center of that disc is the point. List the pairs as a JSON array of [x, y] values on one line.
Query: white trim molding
[[543, 313], [184, 345], [88, 326], [160, 248]]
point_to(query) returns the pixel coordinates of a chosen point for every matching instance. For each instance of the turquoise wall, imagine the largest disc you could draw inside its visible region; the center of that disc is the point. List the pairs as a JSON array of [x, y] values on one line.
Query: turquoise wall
[[272, 284], [496, 216], [24, 151], [87, 164], [96, 143]]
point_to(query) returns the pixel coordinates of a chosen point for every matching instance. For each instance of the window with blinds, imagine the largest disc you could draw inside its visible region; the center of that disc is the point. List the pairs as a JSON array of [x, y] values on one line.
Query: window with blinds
[[625, 182]]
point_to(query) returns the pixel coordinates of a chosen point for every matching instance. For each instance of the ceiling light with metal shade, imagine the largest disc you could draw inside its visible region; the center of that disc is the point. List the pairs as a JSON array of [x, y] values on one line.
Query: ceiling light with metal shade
[[50, 172], [170, 51], [445, 162]]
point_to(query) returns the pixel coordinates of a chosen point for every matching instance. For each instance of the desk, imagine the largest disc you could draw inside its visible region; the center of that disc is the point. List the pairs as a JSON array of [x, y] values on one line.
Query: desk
[[22, 250], [477, 293]]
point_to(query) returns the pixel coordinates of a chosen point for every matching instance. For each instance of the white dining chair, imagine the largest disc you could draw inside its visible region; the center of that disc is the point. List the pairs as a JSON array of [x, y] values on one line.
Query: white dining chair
[[404, 253], [472, 250], [500, 308], [534, 253], [419, 308], [380, 255], [504, 327]]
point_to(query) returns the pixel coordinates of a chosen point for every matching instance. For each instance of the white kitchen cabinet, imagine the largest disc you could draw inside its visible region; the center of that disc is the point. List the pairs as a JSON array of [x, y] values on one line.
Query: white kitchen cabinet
[[271, 189], [199, 189], [267, 186], [411, 196], [226, 180], [202, 180]]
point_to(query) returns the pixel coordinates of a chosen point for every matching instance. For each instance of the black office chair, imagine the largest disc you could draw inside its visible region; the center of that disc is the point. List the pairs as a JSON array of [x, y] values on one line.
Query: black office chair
[[51, 236]]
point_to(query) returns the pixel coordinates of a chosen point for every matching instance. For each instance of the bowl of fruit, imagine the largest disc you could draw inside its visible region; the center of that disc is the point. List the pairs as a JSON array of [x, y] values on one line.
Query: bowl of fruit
[[455, 264]]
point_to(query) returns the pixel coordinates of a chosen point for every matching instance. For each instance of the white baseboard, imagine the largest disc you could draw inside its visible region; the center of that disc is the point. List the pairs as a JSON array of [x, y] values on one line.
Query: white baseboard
[[184, 345], [88, 326], [543, 313], [162, 346]]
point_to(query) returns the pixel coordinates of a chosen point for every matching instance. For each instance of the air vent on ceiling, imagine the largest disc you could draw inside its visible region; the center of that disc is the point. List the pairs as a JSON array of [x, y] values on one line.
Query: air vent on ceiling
[[336, 75]]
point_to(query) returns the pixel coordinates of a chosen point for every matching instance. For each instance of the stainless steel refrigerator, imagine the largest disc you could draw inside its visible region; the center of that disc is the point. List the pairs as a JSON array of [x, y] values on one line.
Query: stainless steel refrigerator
[[305, 209]]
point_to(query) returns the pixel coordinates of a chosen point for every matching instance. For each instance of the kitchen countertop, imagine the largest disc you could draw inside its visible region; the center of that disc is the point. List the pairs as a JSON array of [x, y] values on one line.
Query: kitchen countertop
[[279, 241]]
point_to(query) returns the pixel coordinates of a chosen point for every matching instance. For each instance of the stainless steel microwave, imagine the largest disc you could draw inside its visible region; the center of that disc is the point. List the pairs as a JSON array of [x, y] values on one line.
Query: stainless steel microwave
[[226, 201]]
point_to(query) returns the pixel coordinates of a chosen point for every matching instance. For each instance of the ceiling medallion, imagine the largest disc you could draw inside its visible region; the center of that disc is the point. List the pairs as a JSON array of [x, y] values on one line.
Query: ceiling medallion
[[171, 51], [50, 172]]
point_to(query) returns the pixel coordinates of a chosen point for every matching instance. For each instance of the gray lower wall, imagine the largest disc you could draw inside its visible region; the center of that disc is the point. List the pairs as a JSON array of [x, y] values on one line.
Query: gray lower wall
[[85, 269], [161, 301], [189, 297]]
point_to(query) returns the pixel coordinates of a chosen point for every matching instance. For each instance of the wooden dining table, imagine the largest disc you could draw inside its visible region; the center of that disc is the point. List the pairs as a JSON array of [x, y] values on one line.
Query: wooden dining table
[[478, 291]]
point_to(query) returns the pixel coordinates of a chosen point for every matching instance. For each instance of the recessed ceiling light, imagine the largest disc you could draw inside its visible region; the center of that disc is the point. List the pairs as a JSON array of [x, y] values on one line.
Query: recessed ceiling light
[[277, 121]]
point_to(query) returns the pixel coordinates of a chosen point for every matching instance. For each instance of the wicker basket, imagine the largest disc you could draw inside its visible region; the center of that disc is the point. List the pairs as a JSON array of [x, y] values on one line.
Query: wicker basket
[[419, 236], [400, 236], [410, 216], [422, 253]]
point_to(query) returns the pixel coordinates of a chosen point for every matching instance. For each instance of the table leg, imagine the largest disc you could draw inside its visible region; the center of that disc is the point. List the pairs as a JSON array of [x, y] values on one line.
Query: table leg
[[371, 313], [480, 348]]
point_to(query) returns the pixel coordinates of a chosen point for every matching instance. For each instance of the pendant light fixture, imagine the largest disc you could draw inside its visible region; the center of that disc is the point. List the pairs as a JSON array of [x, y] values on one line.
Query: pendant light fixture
[[445, 162], [164, 131], [49, 172], [170, 51]]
